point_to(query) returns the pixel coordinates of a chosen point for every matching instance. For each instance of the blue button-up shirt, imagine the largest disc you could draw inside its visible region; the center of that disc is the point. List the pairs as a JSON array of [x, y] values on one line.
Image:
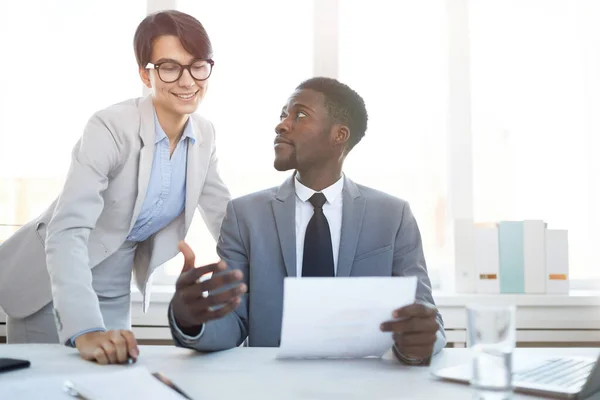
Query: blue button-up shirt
[[165, 197]]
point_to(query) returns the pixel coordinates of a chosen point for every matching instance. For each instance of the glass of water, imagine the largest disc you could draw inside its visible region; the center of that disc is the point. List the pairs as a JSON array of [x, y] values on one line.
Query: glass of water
[[491, 333]]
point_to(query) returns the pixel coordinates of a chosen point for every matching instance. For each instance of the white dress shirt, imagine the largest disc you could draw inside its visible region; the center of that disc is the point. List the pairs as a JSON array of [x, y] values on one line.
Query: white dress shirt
[[304, 212]]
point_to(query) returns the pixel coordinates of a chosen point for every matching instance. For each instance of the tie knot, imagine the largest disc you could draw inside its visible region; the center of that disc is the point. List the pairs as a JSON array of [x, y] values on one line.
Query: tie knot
[[317, 200]]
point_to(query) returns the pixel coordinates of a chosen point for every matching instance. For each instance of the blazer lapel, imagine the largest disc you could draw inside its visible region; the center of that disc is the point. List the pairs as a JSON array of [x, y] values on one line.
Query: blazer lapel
[[353, 212], [284, 209], [146, 155], [193, 174]]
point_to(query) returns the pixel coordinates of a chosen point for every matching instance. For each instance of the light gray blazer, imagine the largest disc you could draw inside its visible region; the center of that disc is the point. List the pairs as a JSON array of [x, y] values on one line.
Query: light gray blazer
[[51, 257], [379, 237]]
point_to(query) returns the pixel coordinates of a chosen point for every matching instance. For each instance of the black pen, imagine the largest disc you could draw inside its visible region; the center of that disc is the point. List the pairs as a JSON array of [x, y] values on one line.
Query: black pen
[[170, 384]]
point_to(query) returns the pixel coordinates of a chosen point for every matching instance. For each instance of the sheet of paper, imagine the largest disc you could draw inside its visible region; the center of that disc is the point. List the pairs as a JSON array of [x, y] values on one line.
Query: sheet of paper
[[127, 383], [340, 317]]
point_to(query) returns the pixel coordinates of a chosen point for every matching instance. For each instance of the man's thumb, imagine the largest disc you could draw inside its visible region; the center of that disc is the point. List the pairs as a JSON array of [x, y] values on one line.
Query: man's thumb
[[189, 258]]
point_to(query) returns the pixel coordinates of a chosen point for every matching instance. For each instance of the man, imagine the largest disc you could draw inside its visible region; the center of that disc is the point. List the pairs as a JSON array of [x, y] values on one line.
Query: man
[[137, 174], [318, 223]]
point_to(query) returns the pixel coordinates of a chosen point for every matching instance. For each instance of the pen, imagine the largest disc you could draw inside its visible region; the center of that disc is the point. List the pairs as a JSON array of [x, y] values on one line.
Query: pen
[[73, 391], [170, 384]]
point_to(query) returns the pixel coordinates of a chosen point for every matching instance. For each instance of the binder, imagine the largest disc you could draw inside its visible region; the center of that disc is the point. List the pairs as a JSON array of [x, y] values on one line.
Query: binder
[[487, 261], [557, 261], [534, 256], [511, 256]]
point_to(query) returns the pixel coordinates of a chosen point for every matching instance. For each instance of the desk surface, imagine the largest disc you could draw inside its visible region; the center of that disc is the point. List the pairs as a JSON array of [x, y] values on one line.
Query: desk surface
[[254, 373]]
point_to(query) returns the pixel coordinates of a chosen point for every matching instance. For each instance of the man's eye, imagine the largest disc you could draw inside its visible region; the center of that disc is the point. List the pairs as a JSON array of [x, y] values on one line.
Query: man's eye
[[300, 114], [282, 117]]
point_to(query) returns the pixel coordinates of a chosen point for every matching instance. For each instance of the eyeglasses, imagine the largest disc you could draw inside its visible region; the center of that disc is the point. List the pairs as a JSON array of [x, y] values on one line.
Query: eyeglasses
[[170, 71]]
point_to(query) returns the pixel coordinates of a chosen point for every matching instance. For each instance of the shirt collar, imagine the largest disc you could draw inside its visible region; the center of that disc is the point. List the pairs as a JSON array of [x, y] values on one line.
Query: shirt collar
[[331, 193], [159, 133]]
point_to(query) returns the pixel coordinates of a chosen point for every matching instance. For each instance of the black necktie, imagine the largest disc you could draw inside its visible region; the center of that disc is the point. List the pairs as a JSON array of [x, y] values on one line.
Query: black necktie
[[318, 254]]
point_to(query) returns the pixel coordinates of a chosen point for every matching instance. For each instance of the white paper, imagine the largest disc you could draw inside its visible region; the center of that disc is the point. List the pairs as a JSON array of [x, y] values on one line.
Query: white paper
[[128, 383], [341, 317]]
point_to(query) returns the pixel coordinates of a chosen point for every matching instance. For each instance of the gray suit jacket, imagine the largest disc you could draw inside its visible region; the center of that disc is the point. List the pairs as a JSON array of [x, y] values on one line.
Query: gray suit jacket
[[379, 237], [51, 257]]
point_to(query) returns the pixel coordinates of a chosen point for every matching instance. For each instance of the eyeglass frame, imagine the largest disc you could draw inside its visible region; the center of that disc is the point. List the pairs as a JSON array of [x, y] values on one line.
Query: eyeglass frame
[[183, 67]]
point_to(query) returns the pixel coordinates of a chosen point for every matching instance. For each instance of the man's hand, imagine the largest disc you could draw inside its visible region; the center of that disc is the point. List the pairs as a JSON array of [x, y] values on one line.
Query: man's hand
[[191, 306], [112, 347], [414, 330]]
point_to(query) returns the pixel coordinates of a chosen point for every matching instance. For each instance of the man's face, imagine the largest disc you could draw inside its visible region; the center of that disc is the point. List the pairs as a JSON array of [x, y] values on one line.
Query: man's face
[[304, 134], [183, 96]]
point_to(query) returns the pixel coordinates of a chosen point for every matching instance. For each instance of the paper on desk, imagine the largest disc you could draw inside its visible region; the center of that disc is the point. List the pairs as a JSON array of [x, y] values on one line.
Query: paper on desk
[[127, 383], [340, 317]]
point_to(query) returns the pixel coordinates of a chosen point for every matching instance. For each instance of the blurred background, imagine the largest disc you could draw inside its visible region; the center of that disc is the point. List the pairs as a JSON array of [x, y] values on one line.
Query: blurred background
[[481, 109]]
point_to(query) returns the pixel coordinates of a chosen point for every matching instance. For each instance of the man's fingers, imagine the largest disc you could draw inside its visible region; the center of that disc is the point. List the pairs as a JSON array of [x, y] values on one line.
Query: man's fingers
[[226, 296], [191, 276], [415, 339], [132, 346], [120, 346], [100, 356], [226, 309], [415, 310], [189, 258], [216, 282], [411, 325], [419, 352]]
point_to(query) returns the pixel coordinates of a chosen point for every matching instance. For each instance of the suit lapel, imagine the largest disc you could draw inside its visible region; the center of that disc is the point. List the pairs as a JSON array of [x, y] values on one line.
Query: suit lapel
[[353, 212], [193, 175], [284, 209], [146, 155]]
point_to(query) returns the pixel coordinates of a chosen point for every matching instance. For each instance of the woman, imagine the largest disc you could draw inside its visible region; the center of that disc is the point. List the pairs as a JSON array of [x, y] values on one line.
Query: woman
[[137, 173]]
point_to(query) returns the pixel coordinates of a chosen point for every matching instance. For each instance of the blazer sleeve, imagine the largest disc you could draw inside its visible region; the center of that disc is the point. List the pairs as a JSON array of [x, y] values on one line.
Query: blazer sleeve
[[214, 196], [410, 261], [80, 204], [231, 330]]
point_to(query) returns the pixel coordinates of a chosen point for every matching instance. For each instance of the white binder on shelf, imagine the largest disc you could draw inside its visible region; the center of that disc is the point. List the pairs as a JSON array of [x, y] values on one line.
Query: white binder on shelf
[[487, 261], [557, 261], [534, 254]]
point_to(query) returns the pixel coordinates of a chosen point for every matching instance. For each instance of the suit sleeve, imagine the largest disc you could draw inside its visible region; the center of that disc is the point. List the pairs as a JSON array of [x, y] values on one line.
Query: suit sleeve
[[410, 261], [231, 330], [214, 197], [80, 204]]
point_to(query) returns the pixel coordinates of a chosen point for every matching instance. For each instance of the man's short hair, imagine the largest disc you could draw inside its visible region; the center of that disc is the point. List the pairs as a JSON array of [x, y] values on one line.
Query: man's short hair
[[343, 104], [189, 30]]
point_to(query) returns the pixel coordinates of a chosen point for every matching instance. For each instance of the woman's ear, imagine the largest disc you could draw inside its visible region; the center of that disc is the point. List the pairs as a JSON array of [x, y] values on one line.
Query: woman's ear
[[145, 76]]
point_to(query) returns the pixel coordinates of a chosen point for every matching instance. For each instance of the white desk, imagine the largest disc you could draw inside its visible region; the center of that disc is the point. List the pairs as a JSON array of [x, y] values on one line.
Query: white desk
[[253, 373]]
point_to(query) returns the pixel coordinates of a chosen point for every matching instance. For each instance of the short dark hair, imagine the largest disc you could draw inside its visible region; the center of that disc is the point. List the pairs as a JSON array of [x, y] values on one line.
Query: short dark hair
[[187, 29], [343, 104]]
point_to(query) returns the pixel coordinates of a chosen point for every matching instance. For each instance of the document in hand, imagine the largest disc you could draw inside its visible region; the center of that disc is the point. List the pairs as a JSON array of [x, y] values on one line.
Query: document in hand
[[340, 317]]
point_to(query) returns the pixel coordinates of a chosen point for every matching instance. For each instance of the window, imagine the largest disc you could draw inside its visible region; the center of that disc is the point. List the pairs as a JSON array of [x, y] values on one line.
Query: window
[[531, 81], [259, 61], [535, 67], [397, 61], [66, 61]]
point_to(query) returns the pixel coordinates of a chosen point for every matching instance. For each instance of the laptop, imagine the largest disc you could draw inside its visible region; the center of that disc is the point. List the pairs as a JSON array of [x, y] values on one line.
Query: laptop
[[559, 377]]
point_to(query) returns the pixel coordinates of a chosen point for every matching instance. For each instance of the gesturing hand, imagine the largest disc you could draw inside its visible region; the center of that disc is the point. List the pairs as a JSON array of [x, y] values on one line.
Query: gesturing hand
[[191, 306]]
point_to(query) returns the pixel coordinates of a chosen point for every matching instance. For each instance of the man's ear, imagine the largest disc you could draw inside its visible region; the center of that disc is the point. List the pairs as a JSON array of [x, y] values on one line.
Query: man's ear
[[145, 76], [341, 135]]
